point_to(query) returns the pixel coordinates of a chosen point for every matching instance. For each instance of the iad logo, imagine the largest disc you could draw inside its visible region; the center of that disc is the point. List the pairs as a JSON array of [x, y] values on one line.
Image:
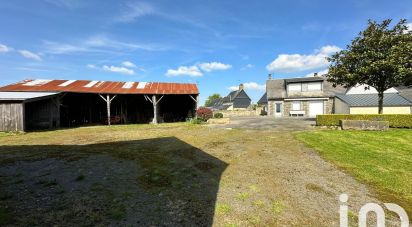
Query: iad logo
[[371, 207]]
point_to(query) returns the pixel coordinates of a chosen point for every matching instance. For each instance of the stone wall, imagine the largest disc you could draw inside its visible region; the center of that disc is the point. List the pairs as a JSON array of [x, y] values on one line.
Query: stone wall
[[238, 113]]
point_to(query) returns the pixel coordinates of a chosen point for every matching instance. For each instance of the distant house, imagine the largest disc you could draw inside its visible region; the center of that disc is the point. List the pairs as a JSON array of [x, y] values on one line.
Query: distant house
[[363, 99], [263, 104], [306, 97], [235, 100]]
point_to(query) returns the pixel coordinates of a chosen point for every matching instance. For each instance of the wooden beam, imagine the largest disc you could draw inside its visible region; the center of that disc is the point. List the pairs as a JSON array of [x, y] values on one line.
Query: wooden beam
[[108, 101], [193, 98]]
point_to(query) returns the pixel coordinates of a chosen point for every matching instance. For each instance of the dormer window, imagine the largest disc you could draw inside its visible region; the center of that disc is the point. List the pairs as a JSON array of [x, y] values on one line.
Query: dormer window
[[305, 87]]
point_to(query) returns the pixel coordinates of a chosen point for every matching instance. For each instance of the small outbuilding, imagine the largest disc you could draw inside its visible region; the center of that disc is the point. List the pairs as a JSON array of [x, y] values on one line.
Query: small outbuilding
[[46, 104]]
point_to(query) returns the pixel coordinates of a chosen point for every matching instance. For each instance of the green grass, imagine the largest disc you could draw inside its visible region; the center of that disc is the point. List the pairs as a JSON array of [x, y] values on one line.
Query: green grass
[[381, 159]]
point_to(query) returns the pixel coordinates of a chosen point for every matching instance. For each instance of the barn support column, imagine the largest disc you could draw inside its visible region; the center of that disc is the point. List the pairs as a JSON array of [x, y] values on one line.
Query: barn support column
[[155, 103], [108, 101]]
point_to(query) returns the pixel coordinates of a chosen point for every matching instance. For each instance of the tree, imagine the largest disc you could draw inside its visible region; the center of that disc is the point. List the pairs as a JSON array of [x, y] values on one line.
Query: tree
[[380, 57], [210, 99]]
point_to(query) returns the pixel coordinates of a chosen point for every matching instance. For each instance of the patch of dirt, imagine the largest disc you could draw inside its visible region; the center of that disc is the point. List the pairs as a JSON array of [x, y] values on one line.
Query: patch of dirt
[[171, 176]]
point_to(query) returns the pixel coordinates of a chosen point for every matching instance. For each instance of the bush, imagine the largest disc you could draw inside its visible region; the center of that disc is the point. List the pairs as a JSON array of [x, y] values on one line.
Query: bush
[[204, 113], [196, 121], [218, 115], [395, 120]]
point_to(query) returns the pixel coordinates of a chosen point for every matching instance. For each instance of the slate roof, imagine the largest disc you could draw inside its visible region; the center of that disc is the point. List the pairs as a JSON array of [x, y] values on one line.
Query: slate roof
[[276, 89], [406, 92], [366, 100], [304, 79], [263, 100]]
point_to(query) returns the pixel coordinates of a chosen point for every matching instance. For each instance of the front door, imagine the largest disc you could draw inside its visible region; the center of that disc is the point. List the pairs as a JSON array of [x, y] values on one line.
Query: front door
[[315, 108], [278, 109]]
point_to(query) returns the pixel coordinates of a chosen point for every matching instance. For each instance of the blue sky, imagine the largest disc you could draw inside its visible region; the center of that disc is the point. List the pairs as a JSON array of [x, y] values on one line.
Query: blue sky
[[217, 44]]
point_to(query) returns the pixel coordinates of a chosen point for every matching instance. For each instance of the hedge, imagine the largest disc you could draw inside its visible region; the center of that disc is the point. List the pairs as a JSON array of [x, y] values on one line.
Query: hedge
[[395, 120]]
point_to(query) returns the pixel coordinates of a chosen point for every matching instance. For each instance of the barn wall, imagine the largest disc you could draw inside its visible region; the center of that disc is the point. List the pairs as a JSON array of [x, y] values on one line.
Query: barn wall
[[11, 117]]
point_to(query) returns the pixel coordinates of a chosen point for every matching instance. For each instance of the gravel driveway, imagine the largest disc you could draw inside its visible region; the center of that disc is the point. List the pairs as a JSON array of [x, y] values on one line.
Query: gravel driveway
[[269, 123]]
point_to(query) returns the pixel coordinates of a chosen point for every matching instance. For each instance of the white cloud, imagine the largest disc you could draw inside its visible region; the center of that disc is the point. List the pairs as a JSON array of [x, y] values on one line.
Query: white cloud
[[248, 66], [135, 10], [4, 48], [97, 44], [213, 66], [288, 63], [409, 25], [128, 64], [30, 55], [116, 69], [250, 86], [192, 71], [91, 66], [320, 73]]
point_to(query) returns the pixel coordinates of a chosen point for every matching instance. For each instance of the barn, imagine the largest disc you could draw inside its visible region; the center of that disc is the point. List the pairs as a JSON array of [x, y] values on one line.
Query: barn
[[47, 104]]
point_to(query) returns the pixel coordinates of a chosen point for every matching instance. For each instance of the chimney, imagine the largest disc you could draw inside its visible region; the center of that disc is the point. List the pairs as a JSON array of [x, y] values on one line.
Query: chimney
[[270, 76], [241, 87], [315, 74]]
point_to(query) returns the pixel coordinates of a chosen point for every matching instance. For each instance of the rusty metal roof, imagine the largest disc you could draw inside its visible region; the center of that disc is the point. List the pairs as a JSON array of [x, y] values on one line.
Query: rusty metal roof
[[102, 87]]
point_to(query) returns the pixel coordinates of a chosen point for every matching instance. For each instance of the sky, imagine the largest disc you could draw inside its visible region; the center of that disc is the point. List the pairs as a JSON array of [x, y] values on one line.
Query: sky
[[217, 44]]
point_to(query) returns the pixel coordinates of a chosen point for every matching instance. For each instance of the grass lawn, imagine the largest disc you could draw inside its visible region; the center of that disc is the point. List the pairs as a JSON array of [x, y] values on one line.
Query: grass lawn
[[382, 159]]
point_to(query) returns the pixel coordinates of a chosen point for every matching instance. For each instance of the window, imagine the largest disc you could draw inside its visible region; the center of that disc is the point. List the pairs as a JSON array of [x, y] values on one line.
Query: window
[[305, 87], [295, 87], [278, 107], [296, 105], [315, 86]]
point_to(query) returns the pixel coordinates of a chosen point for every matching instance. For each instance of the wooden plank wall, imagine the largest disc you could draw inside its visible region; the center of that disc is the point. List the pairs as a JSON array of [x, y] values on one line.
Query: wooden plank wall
[[11, 117]]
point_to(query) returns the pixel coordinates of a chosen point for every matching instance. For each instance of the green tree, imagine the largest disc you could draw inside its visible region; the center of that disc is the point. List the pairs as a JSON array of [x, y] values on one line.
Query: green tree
[[210, 99], [379, 56]]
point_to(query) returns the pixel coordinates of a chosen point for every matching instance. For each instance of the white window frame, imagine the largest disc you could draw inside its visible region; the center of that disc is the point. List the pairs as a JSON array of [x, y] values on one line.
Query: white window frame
[[296, 105]]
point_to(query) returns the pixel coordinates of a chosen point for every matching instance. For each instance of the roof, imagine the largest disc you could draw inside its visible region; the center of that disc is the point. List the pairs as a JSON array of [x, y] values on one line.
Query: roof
[[366, 100], [304, 79], [406, 92], [22, 96], [232, 95], [263, 100], [104, 87], [276, 89]]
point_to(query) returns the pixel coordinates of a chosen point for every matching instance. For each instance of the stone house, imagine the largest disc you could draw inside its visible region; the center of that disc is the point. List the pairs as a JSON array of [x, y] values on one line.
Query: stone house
[[305, 97]]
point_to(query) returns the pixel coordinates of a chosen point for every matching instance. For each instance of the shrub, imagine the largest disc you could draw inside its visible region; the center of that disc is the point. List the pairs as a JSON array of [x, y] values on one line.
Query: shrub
[[204, 113], [218, 115], [196, 121], [395, 120]]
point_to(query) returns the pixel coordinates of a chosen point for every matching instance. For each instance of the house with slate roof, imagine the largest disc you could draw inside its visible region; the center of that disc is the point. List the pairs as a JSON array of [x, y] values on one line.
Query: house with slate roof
[[311, 96], [235, 100]]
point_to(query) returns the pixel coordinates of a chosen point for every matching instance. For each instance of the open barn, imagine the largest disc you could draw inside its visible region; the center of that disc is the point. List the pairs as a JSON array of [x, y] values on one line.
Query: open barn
[[46, 104]]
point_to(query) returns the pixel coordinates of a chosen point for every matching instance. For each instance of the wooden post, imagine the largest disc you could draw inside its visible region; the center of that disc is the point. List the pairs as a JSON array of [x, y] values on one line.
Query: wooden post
[[108, 109], [155, 110], [108, 101]]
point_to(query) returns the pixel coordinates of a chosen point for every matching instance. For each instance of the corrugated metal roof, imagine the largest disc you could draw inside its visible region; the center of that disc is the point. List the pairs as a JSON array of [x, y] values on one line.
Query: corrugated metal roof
[[365, 100], [103, 87], [21, 96]]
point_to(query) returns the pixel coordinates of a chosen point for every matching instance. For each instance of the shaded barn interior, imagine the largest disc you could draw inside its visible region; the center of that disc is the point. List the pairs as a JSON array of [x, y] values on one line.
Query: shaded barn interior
[[90, 109]]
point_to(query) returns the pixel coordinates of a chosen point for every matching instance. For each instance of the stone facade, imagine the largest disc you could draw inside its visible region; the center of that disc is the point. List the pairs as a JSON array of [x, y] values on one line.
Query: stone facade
[[287, 106]]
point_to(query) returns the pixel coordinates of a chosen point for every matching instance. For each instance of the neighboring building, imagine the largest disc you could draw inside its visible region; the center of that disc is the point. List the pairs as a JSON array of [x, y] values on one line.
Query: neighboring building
[[363, 99], [44, 104], [235, 100], [263, 105], [306, 97]]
